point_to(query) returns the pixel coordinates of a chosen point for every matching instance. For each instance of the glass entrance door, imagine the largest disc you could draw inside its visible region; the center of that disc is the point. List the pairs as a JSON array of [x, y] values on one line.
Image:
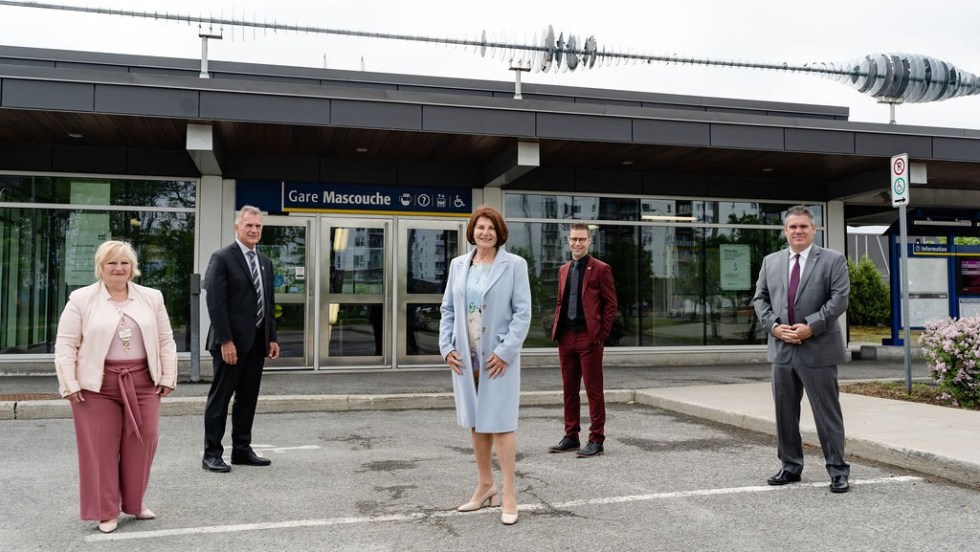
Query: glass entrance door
[[285, 241], [381, 285], [355, 299], [425, 249]]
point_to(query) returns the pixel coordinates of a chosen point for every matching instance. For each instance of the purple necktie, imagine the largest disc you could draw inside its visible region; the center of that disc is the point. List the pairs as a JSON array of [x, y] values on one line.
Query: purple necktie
[[794, 282]]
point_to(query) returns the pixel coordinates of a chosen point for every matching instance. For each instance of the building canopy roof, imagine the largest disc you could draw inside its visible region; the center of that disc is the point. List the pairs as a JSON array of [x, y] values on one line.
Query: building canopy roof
[[67, 111]]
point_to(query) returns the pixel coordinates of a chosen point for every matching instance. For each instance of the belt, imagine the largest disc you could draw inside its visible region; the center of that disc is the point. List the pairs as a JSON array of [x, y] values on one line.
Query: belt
[[133, 418]]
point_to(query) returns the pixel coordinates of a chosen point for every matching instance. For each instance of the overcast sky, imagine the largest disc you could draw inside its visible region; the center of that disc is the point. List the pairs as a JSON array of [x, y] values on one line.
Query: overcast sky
[[773, 31]]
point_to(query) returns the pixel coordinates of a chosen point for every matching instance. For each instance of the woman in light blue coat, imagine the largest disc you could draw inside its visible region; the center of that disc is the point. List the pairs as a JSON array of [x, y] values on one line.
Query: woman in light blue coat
[[486, 314]]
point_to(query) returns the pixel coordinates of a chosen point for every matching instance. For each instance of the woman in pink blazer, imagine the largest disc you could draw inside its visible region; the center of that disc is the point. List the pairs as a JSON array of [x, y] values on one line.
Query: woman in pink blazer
[[116, 357]]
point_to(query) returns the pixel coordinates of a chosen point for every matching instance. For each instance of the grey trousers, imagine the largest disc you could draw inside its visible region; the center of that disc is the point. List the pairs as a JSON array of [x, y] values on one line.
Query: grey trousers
[[788, 383]]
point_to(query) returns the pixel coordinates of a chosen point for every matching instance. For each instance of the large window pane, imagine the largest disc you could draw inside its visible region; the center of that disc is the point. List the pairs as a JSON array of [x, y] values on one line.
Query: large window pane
[[672, 285], [45, 254], [98, 191]]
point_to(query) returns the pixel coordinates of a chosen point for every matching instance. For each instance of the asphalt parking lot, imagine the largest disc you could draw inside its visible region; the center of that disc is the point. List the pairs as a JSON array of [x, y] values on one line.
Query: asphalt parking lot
[[389, 480]]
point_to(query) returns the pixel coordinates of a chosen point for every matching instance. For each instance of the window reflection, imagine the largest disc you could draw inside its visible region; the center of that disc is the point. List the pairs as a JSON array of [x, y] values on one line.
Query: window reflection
[[422, 328], [429, 253], [356, 260], [45, 254], [672, 288]]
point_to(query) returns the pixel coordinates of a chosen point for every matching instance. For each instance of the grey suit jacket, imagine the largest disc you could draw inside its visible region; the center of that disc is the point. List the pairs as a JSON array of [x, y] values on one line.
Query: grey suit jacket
[[820, 300]]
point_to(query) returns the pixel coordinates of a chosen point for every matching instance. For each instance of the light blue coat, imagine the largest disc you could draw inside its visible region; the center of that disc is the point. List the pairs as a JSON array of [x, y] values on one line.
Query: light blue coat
[[506, 315]]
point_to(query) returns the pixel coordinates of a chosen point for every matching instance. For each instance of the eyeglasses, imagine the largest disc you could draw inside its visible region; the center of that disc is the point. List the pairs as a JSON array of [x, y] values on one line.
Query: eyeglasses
[[578, 240]]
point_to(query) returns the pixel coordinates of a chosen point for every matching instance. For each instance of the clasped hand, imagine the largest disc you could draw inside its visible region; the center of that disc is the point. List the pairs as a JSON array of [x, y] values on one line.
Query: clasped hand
[[495, 365], [794, 335]]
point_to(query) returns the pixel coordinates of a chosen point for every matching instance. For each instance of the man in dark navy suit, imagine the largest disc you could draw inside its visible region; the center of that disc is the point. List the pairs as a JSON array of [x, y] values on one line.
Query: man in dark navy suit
[[240, 299]]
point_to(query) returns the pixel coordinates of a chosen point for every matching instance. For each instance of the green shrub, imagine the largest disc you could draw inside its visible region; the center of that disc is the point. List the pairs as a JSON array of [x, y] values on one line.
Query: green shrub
[[869, 303]]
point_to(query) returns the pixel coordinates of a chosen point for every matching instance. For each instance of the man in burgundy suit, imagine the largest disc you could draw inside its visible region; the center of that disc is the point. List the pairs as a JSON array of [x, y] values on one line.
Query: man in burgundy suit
[[584, 316]]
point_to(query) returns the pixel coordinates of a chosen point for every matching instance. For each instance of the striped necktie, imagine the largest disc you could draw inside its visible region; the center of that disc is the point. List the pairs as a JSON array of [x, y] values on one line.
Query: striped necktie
[[260, 302]]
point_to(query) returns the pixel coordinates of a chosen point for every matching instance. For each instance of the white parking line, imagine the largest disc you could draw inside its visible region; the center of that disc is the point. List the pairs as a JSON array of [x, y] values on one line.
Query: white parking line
[[453, 513]]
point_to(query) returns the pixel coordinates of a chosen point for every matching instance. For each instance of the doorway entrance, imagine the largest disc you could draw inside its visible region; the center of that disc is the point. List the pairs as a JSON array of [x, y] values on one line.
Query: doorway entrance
[[381, 282], [356, 293]]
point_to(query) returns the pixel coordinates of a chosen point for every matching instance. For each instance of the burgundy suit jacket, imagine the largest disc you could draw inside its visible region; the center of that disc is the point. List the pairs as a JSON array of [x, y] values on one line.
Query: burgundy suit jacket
[[598, 299]]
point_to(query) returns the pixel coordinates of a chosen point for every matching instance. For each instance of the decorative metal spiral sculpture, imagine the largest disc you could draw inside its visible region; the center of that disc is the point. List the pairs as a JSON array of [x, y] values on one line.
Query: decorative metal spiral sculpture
[[895, 77]]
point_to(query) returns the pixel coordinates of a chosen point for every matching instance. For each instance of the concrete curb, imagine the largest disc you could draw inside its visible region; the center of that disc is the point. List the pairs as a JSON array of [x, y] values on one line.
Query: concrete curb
[[7, 411], [279, 404], [954, 469]]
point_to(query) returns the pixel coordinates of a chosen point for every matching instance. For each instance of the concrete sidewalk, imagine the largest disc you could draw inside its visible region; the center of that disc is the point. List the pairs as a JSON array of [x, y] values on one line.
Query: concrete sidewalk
[[934, 440], [929, 439]]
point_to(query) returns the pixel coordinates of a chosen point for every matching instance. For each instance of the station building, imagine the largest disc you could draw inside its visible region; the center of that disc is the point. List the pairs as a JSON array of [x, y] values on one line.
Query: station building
[[367, 180]]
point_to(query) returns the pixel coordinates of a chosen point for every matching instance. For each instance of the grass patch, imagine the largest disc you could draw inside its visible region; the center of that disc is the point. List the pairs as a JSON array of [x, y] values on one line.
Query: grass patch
[[926, 393], [874, 334]]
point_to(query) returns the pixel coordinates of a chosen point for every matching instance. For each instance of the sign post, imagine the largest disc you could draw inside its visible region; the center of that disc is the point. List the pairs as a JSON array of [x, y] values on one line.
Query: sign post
[[900, 198]]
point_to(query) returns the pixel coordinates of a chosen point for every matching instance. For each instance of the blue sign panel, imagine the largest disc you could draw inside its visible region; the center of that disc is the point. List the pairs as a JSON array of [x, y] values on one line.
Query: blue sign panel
[[309, 197], [276, 197]]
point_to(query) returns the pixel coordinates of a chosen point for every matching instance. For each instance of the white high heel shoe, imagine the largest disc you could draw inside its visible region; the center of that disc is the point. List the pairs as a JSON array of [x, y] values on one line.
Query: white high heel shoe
[[492, 496]]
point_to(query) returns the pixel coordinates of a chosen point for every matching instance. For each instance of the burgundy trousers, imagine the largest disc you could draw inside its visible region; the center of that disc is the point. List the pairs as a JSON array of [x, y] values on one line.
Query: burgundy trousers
[[116, 430], [581, 360]]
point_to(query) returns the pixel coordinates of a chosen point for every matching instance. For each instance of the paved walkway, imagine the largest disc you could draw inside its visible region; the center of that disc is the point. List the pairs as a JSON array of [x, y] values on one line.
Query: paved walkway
[[929, 439]]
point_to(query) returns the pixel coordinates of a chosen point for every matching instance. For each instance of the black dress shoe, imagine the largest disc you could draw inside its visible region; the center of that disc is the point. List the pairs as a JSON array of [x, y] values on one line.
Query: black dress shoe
[[783, 477], [839, 484], [590, 449], [249, 459], [215, 464], [566, 444]]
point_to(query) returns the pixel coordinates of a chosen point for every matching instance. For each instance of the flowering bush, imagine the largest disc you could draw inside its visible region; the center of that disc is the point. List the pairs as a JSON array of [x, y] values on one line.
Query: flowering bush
[[952, 348]]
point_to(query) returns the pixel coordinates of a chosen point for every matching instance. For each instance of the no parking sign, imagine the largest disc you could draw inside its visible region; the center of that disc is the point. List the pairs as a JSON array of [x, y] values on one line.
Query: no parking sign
[[900, 179]]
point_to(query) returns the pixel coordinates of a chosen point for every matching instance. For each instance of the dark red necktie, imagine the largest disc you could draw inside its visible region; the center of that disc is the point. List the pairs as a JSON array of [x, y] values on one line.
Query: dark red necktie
[[794, 282]]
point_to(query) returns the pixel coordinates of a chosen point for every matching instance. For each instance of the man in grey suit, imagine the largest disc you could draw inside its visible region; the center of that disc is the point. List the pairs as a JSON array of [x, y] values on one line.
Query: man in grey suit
[[798, 298]]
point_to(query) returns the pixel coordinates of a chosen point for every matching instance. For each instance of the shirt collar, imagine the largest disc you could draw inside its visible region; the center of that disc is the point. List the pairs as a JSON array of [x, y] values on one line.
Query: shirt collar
[[244, 249], [803, 254]]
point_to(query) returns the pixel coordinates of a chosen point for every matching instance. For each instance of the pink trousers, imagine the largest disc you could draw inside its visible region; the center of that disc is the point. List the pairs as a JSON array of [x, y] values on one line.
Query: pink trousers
[[116, 431]]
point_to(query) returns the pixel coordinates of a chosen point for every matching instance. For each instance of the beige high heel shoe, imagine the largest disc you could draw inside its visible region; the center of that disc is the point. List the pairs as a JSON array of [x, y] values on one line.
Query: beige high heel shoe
[[508, 519], [109, 525], [146, 513], [492, 496]]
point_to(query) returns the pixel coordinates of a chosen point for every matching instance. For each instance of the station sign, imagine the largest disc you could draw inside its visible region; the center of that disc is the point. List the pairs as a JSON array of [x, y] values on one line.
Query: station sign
[[323, 197]]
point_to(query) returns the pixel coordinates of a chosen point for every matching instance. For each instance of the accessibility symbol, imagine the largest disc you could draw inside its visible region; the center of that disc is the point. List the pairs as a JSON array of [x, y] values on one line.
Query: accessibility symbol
[[899, 186]]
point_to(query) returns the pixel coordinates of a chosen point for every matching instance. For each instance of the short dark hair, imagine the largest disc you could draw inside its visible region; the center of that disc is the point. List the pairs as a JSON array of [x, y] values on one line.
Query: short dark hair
[[799, 210], [580, 226], [498, 224]]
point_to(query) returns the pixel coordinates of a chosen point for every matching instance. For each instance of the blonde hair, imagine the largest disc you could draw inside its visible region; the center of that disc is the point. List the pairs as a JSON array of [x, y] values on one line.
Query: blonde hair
[[112, 249]]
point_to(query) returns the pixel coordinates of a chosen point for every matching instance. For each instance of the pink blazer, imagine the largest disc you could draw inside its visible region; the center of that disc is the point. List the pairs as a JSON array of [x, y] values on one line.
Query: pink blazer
[[89, 323]]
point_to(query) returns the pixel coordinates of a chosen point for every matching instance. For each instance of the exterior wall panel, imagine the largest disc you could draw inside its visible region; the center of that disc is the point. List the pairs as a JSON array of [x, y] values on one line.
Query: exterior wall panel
[[478, 121], [56, 96], [356, 114], [822, 141], [747, 137], [584, 127], [892, 144], [157, 102], [671, 132], [264, 109]]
